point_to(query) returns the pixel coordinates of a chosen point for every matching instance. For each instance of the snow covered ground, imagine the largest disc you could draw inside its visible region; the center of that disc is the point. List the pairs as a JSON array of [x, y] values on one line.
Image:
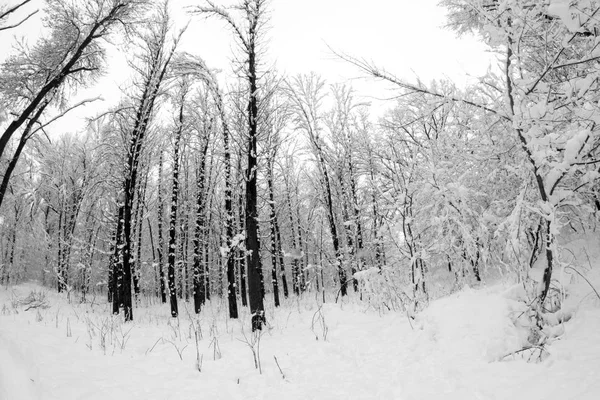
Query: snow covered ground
[[453, 350]]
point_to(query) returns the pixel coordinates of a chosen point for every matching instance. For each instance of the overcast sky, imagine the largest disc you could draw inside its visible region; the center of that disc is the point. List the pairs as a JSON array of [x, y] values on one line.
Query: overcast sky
[[406, 37]]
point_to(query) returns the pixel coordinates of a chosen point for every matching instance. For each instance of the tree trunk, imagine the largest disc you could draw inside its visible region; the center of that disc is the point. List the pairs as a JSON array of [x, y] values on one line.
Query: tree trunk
[[357, 223], [117, 274], [331, 218], [200, 230], [161, 244], [230, 252], [241, 254], [348, 230], [138, 224], [255, 278], [281, 258], [273, 218], [172, 247], [301, 267], [15, 158], [549, 237], [295, 270]]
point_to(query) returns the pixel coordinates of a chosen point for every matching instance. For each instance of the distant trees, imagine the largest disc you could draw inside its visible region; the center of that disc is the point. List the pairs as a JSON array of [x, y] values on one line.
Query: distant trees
[[307, 96]]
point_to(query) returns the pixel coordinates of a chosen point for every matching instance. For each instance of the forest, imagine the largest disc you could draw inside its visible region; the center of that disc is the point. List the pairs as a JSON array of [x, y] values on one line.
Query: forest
[[266, 191]]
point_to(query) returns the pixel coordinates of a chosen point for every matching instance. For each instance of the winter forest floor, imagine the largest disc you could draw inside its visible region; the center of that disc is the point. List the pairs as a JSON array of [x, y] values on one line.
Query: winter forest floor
[[454, 349]]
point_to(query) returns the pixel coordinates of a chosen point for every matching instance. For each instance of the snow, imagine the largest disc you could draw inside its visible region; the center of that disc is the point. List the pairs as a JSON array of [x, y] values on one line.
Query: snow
[[17, 373], [562, 10], [455, 349]]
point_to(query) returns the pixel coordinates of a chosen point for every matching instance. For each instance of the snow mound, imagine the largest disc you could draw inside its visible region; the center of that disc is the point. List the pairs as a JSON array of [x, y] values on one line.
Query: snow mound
[[474, 324]]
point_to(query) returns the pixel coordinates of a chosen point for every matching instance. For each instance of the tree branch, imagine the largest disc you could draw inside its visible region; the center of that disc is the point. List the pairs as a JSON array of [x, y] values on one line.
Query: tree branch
[[381, 74], [81, 103], [3, 28], [224, 15], [13, 9]]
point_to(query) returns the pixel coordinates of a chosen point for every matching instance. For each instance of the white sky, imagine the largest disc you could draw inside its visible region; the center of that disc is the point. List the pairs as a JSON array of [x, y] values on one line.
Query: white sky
[[404, 36]]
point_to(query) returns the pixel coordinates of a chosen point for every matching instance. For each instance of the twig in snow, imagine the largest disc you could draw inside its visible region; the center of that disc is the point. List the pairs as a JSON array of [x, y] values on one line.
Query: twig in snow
[[179, 351], [198, 358], [541, 349], [152, 348], [277, 362], [254, 345], [588, 282]]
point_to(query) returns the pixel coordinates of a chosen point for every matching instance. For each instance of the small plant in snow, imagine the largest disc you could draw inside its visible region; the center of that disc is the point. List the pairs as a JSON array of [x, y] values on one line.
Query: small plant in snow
[[15, 302], [175, 328], [69, 332], [178, 348], [35, 299], [319, 323], [123, 337], [214, 343], [199, 358], [253, 342]]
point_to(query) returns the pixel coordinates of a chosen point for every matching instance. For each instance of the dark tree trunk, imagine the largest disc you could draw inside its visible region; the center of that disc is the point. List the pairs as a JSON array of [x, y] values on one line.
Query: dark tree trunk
[[255, 279], [206, 246], [161, 244], [172, 246], [15, 158], [117, 281], [281, 258], [301, 245], [59, 247], [273, 220], [111, 266], [200, 229], [357, 222], [376, 238], [241, 252], [331, 218], [348, 229], [138, 224], [153, 247], [295, 270], [5, 277], [230, 252]]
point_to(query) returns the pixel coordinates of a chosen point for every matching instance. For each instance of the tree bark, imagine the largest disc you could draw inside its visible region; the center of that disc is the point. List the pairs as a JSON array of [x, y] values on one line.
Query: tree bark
[[255, 276], [273, 219], [172, 246], [230, 252], [200, 230], [161, 244]]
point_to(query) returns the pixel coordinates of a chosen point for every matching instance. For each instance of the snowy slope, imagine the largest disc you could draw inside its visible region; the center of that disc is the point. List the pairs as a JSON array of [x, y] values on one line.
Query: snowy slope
[[452, 350]]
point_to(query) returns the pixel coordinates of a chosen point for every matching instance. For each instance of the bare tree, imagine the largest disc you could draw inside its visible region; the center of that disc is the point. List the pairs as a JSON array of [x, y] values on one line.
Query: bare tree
[[306, 94]]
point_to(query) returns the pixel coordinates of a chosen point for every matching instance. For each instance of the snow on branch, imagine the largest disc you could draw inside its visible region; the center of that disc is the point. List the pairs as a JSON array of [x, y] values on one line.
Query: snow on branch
[[377, 72]]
